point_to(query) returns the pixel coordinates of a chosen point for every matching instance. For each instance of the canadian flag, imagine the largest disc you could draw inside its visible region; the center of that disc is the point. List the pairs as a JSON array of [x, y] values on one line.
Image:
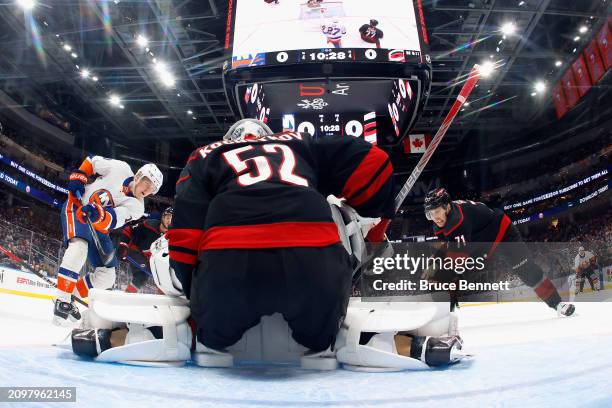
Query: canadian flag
[[416, 143]]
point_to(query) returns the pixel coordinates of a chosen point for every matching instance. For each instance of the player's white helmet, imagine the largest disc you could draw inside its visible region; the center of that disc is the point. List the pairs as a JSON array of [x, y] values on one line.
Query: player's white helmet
[[246, 129], [151, 172]]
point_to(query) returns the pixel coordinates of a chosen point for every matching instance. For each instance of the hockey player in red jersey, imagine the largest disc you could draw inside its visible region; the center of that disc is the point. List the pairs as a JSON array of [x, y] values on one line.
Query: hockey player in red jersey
[[370, 33], [137, 239], [463, 222], [253, 234]]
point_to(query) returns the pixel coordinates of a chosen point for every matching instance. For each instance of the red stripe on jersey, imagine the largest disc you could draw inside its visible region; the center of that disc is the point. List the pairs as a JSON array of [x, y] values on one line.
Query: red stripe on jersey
[[279, 235], [373, 188], [183, 179], [182, 257], [364, 171], [185, 238], [127, 231], [545, 289], [447, 233], [503, 227], [151, 228]]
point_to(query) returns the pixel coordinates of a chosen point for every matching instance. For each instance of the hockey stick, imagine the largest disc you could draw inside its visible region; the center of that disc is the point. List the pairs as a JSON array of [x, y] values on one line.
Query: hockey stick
[[40, 275], [379, 230], [105, 257], [465, 92], [139, 266]]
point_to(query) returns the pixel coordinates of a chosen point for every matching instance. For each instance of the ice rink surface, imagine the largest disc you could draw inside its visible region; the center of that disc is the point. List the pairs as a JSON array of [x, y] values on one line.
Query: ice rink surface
[[526, 356]]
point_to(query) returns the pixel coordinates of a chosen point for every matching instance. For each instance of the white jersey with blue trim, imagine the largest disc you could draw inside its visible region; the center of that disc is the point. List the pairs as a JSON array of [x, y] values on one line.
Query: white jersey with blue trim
[[110, 189], [333, 31], [583, 262]]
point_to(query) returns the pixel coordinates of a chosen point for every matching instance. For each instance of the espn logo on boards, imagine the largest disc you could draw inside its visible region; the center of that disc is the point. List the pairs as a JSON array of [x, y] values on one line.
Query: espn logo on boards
[[25, 281]]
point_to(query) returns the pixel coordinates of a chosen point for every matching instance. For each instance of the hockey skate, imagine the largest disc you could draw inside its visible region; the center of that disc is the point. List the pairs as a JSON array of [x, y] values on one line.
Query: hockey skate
[[319, 360], [65, 314], [565, 309], [207, 357]]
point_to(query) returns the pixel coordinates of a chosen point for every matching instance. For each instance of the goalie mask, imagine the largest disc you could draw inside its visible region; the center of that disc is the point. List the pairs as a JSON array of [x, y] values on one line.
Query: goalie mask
[[247, 129]]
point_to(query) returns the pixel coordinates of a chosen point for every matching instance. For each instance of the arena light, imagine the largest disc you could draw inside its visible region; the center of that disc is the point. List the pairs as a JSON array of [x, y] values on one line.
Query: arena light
[[167, 79], [142, 41], [558, 63], [165, 76], [583, 29], [114, 100], [508, 28], [190, 112], [73, 55], [26, 4], [67, 47], [539, 86], [85, 73], [94, 78], [577, 38], [486, 69]]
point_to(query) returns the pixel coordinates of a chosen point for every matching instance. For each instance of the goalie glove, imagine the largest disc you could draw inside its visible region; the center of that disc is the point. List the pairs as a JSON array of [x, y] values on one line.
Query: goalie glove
[[163, 274]]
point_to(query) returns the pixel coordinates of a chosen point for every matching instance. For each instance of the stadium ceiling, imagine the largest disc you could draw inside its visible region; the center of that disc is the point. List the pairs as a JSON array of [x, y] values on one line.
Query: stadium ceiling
[[160, 61]]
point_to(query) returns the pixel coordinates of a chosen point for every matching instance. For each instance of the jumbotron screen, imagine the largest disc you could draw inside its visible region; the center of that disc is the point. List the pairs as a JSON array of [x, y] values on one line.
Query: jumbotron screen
[[375, 109], [267, 32]]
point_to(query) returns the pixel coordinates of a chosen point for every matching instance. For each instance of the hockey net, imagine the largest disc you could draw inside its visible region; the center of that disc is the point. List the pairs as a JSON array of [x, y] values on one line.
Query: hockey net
[[325, 9]]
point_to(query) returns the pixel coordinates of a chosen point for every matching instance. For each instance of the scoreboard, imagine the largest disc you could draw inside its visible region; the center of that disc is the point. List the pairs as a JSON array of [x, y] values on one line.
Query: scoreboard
[[339, 106]]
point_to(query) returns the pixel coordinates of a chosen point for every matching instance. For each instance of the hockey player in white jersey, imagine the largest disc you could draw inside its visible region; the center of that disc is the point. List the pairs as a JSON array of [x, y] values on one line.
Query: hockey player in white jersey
[[115, 197], [585, 265], [334, 33]]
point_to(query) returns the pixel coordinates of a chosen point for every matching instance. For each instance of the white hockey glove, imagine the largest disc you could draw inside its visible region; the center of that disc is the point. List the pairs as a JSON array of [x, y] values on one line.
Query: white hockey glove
[[163, 275]]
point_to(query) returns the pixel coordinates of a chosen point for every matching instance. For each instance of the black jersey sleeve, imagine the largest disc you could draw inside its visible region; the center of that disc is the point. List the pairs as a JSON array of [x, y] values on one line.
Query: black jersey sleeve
[[358, 171], [190, 208]]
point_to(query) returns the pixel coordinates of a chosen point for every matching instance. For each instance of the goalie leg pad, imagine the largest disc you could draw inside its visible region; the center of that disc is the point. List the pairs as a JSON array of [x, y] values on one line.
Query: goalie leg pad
[[140, 312], [359, 349]]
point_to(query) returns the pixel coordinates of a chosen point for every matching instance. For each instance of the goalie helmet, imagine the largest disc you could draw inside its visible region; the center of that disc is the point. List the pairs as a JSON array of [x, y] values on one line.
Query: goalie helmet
[[247, 129], [151, 172], [434, 199]]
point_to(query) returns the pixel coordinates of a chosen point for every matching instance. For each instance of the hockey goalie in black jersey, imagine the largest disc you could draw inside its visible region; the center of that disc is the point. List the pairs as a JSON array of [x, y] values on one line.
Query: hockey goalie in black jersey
[[252, 232], [464, 222]]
